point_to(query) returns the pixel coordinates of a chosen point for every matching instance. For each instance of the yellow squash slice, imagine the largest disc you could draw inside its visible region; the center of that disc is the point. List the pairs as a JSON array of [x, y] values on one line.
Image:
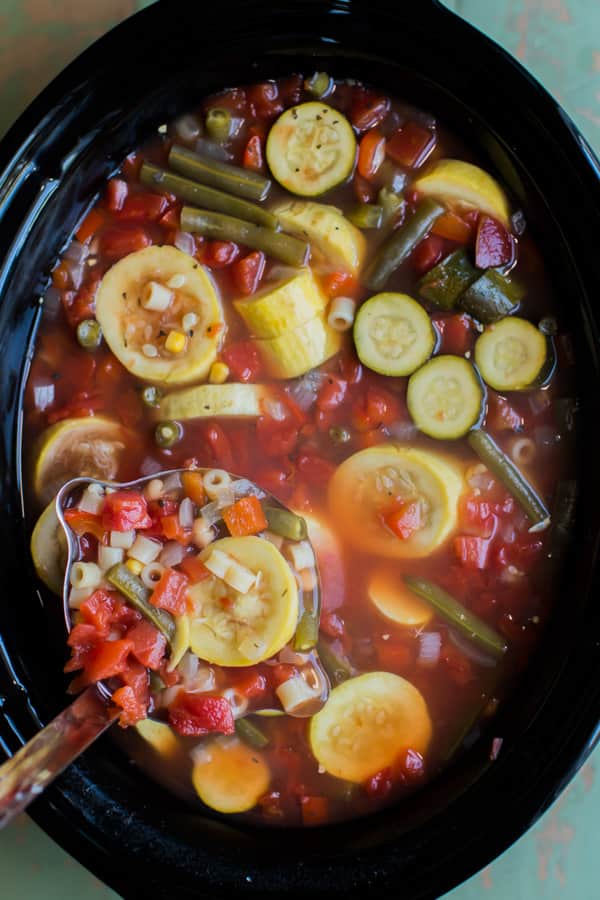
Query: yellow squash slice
[[335, 242], [372, 482], [276, 310], [49, 549], [213, 401], [231, 777], [231, 628], [157, 344], [90, 446], [365, 724], [461, 184], [396, 602], [300, 350], [159, 735]]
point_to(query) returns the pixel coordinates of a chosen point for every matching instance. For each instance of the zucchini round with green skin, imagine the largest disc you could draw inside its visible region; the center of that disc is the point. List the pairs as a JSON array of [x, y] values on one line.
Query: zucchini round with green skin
[[445, 397], [393, 334], [512, 355], [311, 148]]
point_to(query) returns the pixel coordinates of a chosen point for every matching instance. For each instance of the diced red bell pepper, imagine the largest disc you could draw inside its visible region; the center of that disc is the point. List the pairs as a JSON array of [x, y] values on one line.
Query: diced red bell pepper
[[245, 516], [171, 220], [108, 659], [149, 644], [248, 271], [143, 206], [428, 253], [124, 511], [379, 785], [332, 393], [170, 591], [253, 154], [195, 714], [116, 194], [315, 810], [340, 284], [85, 523], [404, 520], [220, 254], [121, 240], [472, 552], [493, 246], [243, 360], [371, 154], [456, 331], [368, 109], [194, 568], [411, 145]]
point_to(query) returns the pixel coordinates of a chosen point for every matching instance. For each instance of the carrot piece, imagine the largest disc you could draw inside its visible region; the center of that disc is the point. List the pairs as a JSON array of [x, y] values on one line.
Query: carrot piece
[[194, 487], [451, 226], [169, 593], [194, 568], [172, 529], [371, 154], [245, 517], [340, 284]]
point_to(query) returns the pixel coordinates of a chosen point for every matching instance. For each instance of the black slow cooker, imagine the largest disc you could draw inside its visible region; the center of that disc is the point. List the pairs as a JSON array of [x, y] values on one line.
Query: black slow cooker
[[132, 834]]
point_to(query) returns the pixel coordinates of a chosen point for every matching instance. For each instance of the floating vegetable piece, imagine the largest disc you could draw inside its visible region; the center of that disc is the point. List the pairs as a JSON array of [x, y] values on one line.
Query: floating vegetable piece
[[278, 309], [335, 242], [445, 397], [491, 297], [208, 401], [301, 349], [233, 179], [512, 355], [124, 580], [461, 184], [401, 243], [392, 599], [393, 334], [159, 735], [229, 776], [444, 284], [49, 549]]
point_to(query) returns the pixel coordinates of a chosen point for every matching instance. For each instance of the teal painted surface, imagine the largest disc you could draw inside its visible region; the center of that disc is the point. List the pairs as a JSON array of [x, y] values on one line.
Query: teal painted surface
[[559, 41]]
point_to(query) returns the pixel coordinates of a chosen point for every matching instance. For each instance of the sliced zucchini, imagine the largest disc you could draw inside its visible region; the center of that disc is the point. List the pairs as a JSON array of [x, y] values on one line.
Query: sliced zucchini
[[491, 297], [230, 777], [311, 148], [275, 310], [231, 628], [445, 397], [365, 724], [335, 242], [393, 334], [373, 481], [159, 735], [90, 446], [444, 284], [208, 401], [392, 599], [301, 349], [49, 549], [461, 184], [512, 355], [140, 337]]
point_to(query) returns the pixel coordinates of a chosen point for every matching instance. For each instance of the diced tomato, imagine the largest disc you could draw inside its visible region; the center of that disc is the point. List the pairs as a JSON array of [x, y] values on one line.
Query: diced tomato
[[84, 523], [251, 685], [109, 658], [392, 656], [411, 145], [125, 510], [453, 228], [132, 165], [493, 246], [83, 640], [99, 609], [248, 271], [456, 331], [473, 552], [315, 469], [143, 206], [219, 254], [332, 394], [477, 516], [169, 593], [332, 624], [428, 253], [376, 408], [501, 415], [149, 644], [243, 360], [81, 305], [194, 714], [133, 710], [371, 154], [121, 240], [89, 226], [340, 284], [276, 438], [404, 520], [368, 109], [116, 194], [350, 368], [245, 516], [278, 479], [193, 486], [315, 810], [379, 785], [253, 154], [173, 530], [265, 99], [363, 189], [219, 446], [166, 506], [171, 219], [282, 672], [170, 677], [194, 568]]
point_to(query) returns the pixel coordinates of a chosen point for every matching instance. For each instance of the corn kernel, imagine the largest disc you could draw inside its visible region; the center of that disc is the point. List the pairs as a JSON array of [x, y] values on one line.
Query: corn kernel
[[175, 342], [134, 566], [219, 373]]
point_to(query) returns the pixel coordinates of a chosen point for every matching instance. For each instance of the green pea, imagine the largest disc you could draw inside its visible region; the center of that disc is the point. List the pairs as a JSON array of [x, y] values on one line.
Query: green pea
[[89, 334], [339, 434], [151, 396], [167, 433]]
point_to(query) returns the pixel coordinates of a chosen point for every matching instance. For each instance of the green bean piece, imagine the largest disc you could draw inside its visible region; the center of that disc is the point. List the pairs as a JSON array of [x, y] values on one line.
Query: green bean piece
[[336, 666], [307, 629], [285, 523], [340, 435], [515, 483], [233, 179], [491, 297], [444, 284], [457, 615], [366, 215], [216, 226], [392, 204], [207, 197], [89, 334], [151, 396], [219, 124], [319, 84], [138, 595], [168, 433], [401, 243], [251, 734]]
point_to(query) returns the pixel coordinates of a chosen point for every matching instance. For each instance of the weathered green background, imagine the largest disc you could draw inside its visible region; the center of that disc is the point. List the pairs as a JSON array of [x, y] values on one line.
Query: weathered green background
[[559, 41]]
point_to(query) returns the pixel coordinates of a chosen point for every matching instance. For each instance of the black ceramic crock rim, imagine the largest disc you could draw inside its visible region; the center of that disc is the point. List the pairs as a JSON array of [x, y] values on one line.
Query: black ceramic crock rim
[[52, 811]]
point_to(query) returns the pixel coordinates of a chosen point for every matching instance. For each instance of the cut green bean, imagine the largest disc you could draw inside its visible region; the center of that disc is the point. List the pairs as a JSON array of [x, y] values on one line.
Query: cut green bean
[[392, 204], [251, 734], [401, 243], [216, 226], [307, 629], [444, 284], [285, 523], [491, 297], [202, 195], [138, 596], [337, 667], [319, 84], [219, 124], [233, 179], [515, 483], [457, 615], [366, 215]]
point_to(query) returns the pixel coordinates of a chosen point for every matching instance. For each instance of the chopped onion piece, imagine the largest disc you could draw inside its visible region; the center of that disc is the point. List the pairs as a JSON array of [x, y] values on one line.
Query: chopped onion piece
[[215, 151], [237, 701], [211, 513], [403, 430], [201, 755], [430, 645], [172, 483], [291, 658], [188, 128], [43, 396], [275, 409], [76, 252], [149, 466], [185, 242], [496, 748], [171, 554], [245, 488], [305, 389], [301, 554]]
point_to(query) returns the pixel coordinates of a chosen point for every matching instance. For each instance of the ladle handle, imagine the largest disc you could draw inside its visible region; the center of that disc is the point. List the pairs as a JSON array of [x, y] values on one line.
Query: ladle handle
[[40, 760]]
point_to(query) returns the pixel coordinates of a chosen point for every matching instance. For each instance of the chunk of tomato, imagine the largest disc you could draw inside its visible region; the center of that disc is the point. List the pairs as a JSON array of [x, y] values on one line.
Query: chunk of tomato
[[124, 511], [193, 715]]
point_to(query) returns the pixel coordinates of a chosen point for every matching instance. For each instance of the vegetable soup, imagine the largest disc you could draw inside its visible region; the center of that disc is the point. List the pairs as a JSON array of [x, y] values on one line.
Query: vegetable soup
[[318, 335]]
